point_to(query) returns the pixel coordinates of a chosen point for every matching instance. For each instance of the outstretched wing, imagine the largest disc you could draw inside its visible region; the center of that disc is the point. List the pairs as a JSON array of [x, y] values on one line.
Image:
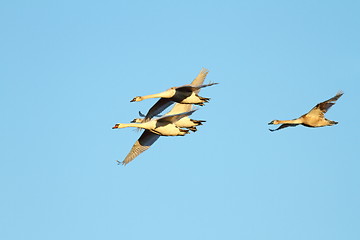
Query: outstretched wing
[[175, 117], [141, 145], [199, 80], [190, 88], [323, 107], [158, 107], [284, 126], [179, 108]]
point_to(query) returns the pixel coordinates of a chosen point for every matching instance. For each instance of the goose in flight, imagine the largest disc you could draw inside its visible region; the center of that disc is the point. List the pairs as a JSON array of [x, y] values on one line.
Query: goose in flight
[[164, 103], [314, 118], [163, 126]]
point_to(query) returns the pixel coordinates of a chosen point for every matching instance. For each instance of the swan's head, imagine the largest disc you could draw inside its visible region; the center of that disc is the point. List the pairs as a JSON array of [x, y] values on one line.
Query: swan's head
[[118, 125], [274, 122], [137, 120], [137, 99]]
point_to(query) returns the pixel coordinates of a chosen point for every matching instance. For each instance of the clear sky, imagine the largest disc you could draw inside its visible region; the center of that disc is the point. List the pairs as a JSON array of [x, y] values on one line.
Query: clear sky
[[68, 70]]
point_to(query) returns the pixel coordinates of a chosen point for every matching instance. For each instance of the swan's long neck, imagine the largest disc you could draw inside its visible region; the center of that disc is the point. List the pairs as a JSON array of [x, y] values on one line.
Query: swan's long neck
[[125, 125], [165, 94], [293, 121]]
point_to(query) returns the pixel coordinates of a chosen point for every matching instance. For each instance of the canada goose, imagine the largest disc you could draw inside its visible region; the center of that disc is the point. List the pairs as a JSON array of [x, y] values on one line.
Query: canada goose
[[163, 126], [314, 118], [164, 103]]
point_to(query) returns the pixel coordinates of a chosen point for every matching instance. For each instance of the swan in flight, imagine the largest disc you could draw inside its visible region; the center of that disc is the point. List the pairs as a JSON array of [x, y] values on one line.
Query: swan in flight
[[163, 126], [184, 122], [183, 94], [314, 118], [164, 103]]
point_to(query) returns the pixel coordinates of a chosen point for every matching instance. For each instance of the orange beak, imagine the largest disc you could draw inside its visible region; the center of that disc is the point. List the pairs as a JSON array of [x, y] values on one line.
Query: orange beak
[[116, 126]]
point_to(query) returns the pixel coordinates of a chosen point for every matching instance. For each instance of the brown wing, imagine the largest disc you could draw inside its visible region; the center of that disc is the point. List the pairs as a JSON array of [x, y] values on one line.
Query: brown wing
[[141, 145], [323, 107], [284, 126]]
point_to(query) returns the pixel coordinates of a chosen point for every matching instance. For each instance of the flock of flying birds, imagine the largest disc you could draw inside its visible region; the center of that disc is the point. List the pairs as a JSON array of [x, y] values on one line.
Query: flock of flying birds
[[178, 123]]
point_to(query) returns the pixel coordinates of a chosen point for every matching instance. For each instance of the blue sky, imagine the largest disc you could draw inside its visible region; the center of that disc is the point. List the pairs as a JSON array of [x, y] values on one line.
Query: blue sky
[[70, 68]]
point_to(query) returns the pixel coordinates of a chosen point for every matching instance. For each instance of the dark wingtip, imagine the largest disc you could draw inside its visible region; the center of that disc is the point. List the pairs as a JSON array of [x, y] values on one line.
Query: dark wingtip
[[121, 163]]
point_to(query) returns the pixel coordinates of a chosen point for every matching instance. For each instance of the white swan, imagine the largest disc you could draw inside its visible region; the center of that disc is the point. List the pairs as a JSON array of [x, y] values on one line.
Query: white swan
[[184, 122], [163, 126], [314, 118], [164, 103], [183, 94]]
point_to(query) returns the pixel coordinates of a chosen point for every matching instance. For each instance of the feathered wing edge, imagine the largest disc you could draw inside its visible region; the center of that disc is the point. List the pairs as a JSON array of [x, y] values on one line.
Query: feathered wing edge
[[285, 125], [142, 144], [199, 80], [176, 117], [192, 88], [323, 107]]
